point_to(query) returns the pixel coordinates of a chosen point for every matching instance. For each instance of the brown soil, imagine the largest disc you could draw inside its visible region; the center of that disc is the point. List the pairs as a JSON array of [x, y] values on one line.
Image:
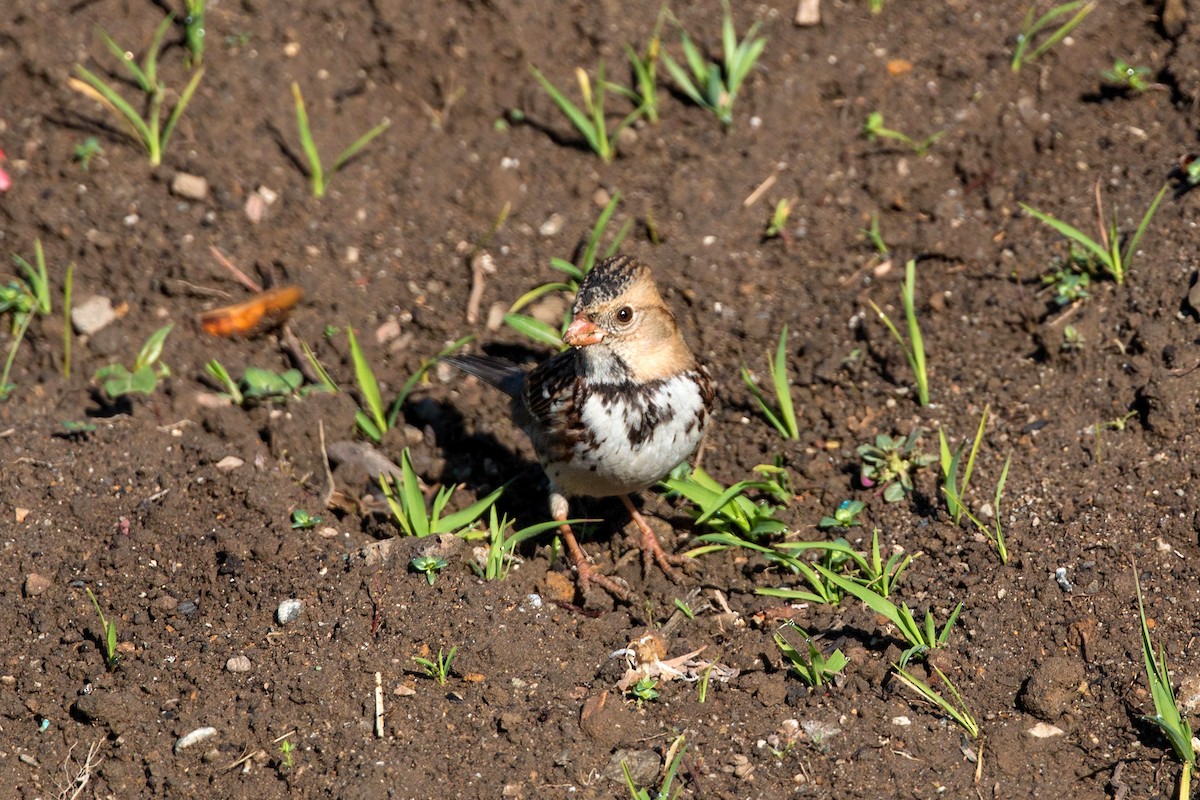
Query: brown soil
[[191, 559]]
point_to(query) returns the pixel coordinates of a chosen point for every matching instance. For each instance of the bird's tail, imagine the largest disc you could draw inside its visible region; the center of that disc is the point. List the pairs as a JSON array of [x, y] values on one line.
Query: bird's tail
[[504, 375]]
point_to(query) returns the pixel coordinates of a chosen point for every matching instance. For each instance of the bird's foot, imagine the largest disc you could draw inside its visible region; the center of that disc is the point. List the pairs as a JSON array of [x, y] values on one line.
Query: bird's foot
[[652, 549], [587, 576]]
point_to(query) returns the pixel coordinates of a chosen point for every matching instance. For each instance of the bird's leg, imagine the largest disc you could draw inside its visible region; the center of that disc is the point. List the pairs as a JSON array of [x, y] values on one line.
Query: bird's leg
[[585, 573], [652, 550]]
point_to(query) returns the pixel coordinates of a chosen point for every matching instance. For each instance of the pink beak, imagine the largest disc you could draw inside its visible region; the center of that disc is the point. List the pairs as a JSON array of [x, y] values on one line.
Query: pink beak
[[582, 332]]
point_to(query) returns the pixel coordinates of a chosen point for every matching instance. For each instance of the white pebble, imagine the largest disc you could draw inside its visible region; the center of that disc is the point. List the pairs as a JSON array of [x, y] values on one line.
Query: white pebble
[[901, 721], [288, 611], [238, 664]]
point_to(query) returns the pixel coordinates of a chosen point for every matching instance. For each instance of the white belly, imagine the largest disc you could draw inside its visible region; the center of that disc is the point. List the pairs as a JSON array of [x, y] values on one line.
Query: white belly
[[636, 441]]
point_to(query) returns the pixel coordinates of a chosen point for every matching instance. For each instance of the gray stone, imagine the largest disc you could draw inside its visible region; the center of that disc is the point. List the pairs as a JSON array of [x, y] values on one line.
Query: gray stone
[[288, 611]]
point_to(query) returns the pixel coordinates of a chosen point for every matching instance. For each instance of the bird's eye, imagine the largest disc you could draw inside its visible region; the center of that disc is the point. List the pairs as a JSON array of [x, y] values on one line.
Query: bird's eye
[[625, 315]]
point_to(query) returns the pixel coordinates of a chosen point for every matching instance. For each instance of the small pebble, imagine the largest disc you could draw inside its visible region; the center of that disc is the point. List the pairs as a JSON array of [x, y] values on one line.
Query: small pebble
[[1044, 730], [192, 187], [552, 225], [238, 664], [1060, 576], [288, 611], [36, 584], [92, 314], [187, 607], [229, 463], [901, 721]]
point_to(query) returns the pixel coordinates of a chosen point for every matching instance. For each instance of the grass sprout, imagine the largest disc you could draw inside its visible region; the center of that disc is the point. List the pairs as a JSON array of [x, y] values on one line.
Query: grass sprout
[[956, 709], [874, 129], [727, 509], [150, 130], [813, 666], [1126, 77], [1166, 708], [373, 422], [1107, 251], [590, 120], [955, 488], [921, 635], [147, 370], [26, 297], [193, 29], [407, 504], [716, 86], [318, 177], [914, 345], [645, 73], [870, 569], [1038, 34], [109, 636], [438, 669], [499, 556], [783, 419], [575, 272]]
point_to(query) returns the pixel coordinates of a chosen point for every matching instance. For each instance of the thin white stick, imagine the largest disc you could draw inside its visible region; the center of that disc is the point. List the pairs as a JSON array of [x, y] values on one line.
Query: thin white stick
[[378, 705]]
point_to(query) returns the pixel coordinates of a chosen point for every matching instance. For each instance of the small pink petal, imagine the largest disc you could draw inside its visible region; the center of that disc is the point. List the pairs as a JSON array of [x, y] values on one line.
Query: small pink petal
[[5, 181]]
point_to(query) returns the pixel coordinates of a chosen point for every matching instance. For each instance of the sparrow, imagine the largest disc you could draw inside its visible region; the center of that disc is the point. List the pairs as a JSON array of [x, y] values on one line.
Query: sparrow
[[614, 413]]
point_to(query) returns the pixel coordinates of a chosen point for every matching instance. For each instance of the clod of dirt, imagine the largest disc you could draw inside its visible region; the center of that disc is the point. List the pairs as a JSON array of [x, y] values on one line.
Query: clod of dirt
[[1052, 688], [607, 721], [35, 584], [643, 766]]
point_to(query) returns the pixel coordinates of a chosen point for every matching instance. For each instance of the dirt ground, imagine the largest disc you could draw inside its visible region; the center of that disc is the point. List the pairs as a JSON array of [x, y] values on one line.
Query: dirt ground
[[190, 552]]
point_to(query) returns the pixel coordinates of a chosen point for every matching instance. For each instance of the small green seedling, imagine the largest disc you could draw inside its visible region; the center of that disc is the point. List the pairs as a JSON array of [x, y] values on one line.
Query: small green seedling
[[1032, 43], [590, 120], [73, 427], [151, 130], [777, 225], [1127, 78], [146, 372], [645, 690], [540, 331], [874, 235], [956, 710], [728, 509], [68, 288], [844, 516], [645, 72], [1167, 718], [678, 748], [373, 424], [874, 129], [914, 345], [814, 667], [869, 569], [318, 177], [685, 609], [1069, 285], [1107, 252], [430, 565], [1072, 341], [86, 150], [193, 29], [782, 419], [286, 760], [500, 548], [109, 635], [955, 489], [25, 297], [302, 520], [407, 503], [716, 86], [891, 461], [439, 670], [702, 684], [921, 638]]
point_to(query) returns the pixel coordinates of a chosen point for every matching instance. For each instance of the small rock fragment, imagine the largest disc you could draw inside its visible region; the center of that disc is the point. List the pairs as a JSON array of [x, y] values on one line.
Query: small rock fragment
[[92, 314], [1044, 730], [901, 721], [35, 584], [191, 187], [238, 664], [229, 463], [643, 766], [288, 611], [808, 13], [21, 514], [193, 738], [552, 225]]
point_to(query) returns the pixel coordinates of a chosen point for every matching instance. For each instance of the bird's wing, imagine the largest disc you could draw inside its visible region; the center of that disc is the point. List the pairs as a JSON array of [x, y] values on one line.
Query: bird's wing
[[549, 391], [504, 375]]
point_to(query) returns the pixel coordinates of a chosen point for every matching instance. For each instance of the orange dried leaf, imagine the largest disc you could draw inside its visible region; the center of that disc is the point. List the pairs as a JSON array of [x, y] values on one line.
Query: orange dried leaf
[[263, 311]]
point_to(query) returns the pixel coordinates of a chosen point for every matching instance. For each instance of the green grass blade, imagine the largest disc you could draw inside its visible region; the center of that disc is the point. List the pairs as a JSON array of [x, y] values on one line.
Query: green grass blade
[[541, 291], [177, 112], [367, 383], [1074, 234], [535, 329], [1131, 248], [414, 500], [970, 467], [98, 90], [1062, 31], [143, 81], [322, 374], [151, 68], [572, 112], [904, 622], [359, 143], [916, 349], [683, 81], [783, 390], [763, 405], [461, 519], [315, 172]]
